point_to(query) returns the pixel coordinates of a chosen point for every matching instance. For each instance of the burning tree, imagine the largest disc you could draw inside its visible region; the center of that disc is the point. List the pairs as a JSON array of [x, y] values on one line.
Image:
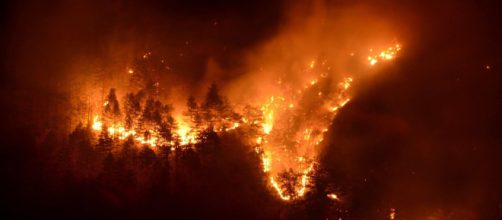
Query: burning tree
[[194, 116]]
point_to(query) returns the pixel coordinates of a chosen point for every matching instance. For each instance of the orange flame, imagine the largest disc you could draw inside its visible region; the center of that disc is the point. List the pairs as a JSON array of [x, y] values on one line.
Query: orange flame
[[386, 54], [297, 154]]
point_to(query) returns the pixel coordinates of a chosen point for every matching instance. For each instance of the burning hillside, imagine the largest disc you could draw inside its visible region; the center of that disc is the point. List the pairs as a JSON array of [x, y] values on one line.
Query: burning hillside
[[264, 109], [286, 131]]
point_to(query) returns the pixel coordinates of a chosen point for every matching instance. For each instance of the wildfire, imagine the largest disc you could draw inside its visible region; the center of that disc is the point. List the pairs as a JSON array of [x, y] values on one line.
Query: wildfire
[[386, 54], [304, 180], [279, 190], [310, 137], [266, 162], [185, 134], [120, 132], [97, 125], [289, 137], [268, 110], [281, 151]]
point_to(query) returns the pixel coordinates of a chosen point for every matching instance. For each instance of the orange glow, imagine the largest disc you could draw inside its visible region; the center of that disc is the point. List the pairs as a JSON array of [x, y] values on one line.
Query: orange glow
[[304, 181], [288, 137], [185, 133], [96, 124], [266, 162], [279, 190], [312, 64], [332, 196], [384, 55], [118, 131]]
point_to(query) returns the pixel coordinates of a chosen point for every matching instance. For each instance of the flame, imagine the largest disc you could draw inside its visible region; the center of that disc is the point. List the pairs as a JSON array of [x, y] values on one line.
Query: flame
[[386, 54], [310, 137], [392, 213], [276, 159], [332, 196], [304, 181], [312, 64], [120, 132], [266, 162], [279, 190], [96, 124], [185, 133], [268, 110], [283, 148]]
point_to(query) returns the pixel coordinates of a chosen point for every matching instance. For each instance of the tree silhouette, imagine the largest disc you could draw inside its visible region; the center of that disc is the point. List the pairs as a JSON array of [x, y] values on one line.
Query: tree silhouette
[[151, 112], [213, 98], [289, 180], [146, 156], [216, 111], [80, 139], [132, 109], [194, 115], [157, 116], [213, 104], [111, 108], [105, 142], [129, 151], [253, 116], [166, 128]]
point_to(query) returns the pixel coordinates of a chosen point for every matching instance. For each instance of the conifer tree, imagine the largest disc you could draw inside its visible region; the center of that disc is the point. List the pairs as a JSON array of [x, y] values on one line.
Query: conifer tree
[[111, 106]]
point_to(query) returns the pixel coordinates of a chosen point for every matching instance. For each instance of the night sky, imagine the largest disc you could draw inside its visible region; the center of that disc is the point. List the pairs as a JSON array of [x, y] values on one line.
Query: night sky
[[421, 136]]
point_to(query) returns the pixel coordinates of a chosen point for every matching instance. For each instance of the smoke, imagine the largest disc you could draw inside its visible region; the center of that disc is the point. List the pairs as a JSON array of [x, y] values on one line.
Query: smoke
[[300, 78], [315, 33], [75, 47]]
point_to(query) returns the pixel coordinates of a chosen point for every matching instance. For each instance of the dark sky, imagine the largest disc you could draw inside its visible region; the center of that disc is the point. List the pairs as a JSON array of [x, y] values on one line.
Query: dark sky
[[52, 34], [425, 131]]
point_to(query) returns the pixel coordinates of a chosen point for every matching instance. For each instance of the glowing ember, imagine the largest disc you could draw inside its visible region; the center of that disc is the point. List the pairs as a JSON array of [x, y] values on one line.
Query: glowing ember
[[387, 54], [266, 162], [279, 190], [118, 131], [304, 181], [312, 64], [185, 134], [96, 124], [332, 196], [392, 213]]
